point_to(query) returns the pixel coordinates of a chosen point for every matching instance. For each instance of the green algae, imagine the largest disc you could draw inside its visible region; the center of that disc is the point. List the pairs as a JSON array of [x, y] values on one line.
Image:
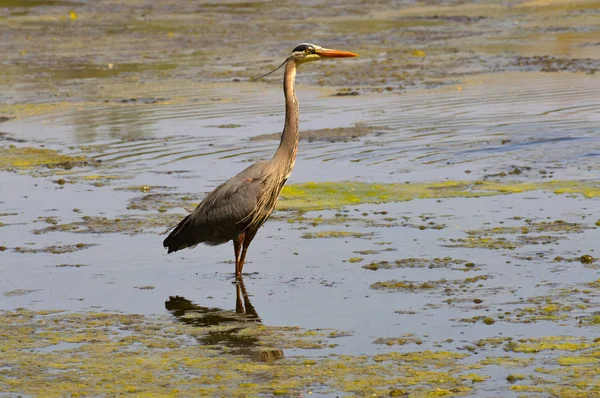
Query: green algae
[[446, 262], [571, 361], [355, 259], [335, 234], [507, 361], [126, 224], [334, 195], [158, 200], [495, 237], [57, 353], [566, 304], [403, 340], [433, 284], [55, 249], [24, 158], [558, 343], [558, 226], [18, 292]]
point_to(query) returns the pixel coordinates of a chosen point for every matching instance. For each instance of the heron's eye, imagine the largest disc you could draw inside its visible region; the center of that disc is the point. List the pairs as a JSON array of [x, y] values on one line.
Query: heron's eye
[[309, 50]]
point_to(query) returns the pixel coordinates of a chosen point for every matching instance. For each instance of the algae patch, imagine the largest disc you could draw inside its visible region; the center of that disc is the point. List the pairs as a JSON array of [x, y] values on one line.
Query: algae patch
[[530, 233], [57, 353], [335, 234], [395, 285], [334, 195], [126, 224], [13, 158], [55, 249], [446, 262]]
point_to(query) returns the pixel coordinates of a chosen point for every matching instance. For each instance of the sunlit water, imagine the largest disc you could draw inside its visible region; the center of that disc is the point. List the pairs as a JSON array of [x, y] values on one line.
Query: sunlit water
[[546, 122]]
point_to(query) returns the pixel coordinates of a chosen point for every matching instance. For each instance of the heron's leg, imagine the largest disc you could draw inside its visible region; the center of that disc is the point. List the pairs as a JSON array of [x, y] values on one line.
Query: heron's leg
[[247, 239], [237, 244]]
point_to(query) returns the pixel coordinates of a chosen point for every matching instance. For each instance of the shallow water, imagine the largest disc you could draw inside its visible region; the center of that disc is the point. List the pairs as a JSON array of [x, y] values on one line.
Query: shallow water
[[509, 265], [539, 122]]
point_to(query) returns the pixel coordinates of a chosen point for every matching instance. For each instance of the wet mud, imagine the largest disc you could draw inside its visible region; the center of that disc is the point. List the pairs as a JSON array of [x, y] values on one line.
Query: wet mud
[[438, 236]]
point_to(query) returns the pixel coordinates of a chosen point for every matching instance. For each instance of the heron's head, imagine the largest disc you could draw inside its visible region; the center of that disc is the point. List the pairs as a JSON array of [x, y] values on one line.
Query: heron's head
[[307, 52]]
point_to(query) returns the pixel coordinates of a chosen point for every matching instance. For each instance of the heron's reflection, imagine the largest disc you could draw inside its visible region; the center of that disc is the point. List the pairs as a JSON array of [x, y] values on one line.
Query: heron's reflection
[[244, 317]]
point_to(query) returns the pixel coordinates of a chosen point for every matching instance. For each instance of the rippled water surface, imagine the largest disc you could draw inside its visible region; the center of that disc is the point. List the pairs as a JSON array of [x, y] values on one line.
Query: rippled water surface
[[452, 271]]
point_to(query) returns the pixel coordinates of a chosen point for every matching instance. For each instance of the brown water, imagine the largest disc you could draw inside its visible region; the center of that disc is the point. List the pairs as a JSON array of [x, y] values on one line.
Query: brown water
[[179, 138]]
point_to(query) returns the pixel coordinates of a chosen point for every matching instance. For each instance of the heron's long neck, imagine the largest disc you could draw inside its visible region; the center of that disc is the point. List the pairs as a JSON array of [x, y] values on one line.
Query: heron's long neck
[[285, 156]]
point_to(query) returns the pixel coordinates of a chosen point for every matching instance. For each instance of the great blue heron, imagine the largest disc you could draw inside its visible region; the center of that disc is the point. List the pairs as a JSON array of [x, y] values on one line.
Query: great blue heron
[[236, 209]]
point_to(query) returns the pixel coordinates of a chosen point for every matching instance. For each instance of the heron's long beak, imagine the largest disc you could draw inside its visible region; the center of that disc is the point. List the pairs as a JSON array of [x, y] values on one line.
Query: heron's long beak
[[331, 53]]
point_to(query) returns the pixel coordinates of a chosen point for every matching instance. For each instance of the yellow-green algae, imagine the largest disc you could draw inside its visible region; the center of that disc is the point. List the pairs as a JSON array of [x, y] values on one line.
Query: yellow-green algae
[[559, 343], [56, 354], [125, 224], [431, 263], [55, 249], [334, 234], [332, 195], [560, 304], [28, 158], [433, 284]]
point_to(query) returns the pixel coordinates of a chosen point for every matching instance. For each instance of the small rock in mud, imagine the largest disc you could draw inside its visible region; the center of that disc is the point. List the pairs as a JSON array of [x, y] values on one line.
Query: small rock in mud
[[586, 259]]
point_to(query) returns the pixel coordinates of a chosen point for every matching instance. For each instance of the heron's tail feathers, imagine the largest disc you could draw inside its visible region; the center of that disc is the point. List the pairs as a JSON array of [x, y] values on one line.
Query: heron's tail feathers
[[178, 238]]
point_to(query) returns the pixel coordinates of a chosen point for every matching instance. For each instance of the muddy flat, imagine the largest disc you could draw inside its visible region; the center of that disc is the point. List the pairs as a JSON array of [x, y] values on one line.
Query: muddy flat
[[438, 235]]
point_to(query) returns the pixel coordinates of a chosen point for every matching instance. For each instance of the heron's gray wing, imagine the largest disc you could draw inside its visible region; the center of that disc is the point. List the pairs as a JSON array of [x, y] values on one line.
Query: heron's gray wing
[[222, 213]]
